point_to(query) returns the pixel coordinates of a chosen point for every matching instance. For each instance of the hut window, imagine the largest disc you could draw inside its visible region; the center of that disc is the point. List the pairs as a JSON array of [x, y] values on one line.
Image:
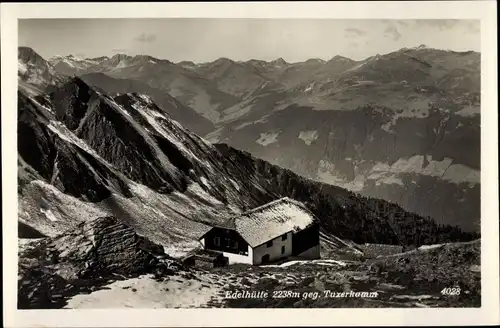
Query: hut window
[[217, 241], [284, 237], [269, 243]]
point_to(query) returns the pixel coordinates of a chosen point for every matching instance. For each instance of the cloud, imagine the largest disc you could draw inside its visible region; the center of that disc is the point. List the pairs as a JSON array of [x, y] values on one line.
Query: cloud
[[392, 32], [146, 38], [354, 32]]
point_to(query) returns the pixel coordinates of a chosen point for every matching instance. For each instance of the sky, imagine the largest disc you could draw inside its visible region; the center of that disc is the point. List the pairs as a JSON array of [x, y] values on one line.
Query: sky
[[207, 39]]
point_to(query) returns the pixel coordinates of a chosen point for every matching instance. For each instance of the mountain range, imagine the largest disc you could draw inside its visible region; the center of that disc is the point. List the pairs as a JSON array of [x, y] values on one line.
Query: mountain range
[[402, 126], [117, 178], [85, 153]]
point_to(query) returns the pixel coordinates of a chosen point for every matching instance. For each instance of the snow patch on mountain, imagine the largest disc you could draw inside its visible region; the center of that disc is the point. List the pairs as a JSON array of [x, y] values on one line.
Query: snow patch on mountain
[[195, 189], [235, 184], [309, 87], [267, 138], [204, 181], [444, 169], [356, 67], [427, 247], [385, 178], [149, 293], [152, 116], [214, 136], [41, 106], [308, 136], [383, 173], [469, 111], [460, 173], [418, 110], [326, 262], [327, 173], [48, 213], [64, 133], [22, 67]]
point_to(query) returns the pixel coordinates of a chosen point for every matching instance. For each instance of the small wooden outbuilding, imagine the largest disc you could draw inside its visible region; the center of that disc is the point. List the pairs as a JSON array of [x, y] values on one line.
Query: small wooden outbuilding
[[204, 258]]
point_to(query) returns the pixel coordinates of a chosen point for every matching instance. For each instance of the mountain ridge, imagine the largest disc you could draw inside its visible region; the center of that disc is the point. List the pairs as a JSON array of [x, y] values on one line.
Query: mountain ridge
[[279, 59]]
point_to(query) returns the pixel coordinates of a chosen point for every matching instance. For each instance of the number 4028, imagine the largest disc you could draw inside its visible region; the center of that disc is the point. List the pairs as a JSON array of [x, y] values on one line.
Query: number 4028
[[450, 291]]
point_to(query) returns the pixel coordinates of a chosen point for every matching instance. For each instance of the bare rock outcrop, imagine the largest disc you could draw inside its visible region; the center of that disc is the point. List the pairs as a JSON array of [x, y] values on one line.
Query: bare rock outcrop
[[83, 259]]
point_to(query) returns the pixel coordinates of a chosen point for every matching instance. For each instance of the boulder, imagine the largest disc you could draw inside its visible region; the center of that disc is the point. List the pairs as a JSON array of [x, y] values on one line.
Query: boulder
[[104, 246], [86, 258]]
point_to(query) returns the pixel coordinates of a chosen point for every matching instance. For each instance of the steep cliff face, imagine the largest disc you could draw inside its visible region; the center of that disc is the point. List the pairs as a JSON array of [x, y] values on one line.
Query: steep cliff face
[[36, 72], [45, 146]]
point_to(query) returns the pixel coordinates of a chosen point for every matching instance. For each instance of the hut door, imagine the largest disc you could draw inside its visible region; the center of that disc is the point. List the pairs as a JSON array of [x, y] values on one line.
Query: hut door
[[265, 258]]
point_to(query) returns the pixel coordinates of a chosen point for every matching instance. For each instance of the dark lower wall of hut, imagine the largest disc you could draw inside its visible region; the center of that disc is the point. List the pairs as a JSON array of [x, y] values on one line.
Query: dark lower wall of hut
[[305, 239], [228, 241]]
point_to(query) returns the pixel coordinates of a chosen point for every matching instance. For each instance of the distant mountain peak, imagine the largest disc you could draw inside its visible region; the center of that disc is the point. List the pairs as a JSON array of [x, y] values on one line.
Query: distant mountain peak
[[144, 59], [99, 59], [315, 60], [338, 58], [27, 54], [23, 49], [69, 57], [422, 46], [187, 64], [34, 69], [121, 56], [279, 61], [223, 60]]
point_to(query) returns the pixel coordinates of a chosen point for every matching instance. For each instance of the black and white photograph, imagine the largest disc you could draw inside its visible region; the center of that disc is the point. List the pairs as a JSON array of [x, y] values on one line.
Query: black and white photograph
[[248, 163]]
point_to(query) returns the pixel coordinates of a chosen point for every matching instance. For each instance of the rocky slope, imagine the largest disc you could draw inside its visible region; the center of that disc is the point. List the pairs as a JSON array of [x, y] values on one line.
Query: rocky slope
[[179, 112], [85, 258]]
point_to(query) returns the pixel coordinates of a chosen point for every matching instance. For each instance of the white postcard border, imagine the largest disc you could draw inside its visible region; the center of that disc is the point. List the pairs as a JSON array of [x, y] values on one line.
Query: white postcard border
[[487, 314]]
